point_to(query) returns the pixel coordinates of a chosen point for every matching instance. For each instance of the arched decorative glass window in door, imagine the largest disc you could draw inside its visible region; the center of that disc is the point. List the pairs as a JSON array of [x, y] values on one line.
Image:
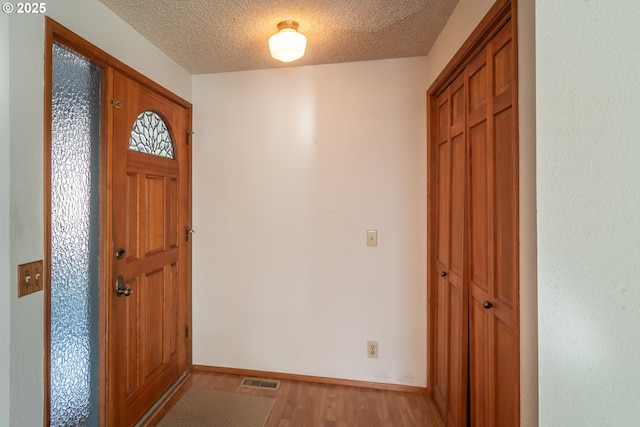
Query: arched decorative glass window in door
[[150, 134]]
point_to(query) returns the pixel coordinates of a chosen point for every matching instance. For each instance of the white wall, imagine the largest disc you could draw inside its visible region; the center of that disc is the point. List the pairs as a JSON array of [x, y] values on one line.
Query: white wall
[[91, 20], [291, 167], [5, 269], [588, 175], [461, 24], [26, 139]]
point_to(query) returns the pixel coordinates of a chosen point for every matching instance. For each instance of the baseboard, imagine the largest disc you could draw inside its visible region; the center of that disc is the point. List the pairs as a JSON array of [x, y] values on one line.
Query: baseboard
[[311, 379]]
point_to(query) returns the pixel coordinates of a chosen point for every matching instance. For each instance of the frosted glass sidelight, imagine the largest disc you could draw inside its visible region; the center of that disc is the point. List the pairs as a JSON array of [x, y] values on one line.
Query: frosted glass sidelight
[[75, 128], [150, 134]]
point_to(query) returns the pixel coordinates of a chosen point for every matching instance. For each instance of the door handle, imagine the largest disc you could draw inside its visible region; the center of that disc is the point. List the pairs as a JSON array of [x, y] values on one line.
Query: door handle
[[120, 253], [189, 231], [121, 287], [443, 274], [487, 304]]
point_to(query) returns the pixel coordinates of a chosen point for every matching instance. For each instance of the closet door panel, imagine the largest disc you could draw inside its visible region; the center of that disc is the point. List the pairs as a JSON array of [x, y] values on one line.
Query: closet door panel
[[505, 411], [479, 354], [478, 210], [442, 332], [478, 224], [457, 375], [504, 408], [506, 177], [458, 320], [441, 326], [506, 223], [479, 276], [502, 64]]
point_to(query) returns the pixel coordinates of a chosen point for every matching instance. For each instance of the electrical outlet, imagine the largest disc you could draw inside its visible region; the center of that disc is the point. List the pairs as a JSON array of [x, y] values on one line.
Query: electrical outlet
[[372, 349]]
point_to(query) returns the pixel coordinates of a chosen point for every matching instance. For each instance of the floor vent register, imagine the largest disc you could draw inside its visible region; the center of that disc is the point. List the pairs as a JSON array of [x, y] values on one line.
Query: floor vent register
[[260, 383]]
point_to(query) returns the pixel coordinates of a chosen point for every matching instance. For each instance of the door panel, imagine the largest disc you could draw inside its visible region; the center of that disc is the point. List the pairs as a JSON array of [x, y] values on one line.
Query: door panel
[[457, 375], [478, 208], [130, 350], [478, 192], [442, 254], [479, 349], [132, 195], [505, 206], [506, 220], [506, 368], [147, 328], [451, 320], [480, 254], [155, 210]]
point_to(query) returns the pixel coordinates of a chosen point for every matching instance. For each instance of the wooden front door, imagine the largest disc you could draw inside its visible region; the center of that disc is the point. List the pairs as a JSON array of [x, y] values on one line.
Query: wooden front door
[[473, 238], [147, 324]]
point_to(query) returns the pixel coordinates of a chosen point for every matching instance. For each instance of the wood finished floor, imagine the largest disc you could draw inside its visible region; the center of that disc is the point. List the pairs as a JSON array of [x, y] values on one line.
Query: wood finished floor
[[303, 404]]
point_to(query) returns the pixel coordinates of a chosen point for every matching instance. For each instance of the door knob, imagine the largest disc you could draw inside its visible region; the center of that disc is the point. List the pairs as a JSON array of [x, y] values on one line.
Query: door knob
[[487, 304], [121, 287], [120, 253], [189, 232], [443, 274]]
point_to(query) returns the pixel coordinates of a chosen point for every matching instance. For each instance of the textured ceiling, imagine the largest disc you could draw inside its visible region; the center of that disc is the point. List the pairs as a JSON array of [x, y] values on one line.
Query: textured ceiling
[[213, 36]]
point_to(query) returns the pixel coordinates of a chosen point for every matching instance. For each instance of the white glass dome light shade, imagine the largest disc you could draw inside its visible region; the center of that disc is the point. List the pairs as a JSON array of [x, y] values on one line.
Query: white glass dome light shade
[[287, 44]]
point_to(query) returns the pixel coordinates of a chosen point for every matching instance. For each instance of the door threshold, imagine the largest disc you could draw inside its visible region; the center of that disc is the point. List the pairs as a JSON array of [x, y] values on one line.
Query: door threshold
[[164, 399]]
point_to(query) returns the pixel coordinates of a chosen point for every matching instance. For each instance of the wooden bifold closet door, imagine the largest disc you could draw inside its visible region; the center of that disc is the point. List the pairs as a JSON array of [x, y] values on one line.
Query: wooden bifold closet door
[[473, 277]]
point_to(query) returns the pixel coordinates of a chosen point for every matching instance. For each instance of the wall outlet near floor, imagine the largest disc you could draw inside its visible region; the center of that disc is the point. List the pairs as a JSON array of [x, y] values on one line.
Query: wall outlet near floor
[[372, 349]]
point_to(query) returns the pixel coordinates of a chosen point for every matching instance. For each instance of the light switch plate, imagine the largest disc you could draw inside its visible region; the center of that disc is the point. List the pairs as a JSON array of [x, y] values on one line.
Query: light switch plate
[[30, 278], [372, 237]]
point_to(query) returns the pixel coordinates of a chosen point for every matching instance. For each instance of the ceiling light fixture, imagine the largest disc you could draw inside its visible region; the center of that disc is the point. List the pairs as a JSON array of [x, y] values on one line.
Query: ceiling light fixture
[[287, 44]]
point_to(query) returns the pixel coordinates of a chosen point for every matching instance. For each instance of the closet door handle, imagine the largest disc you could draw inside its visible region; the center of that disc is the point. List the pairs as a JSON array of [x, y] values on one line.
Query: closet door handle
[[487, 304], [443, 274]]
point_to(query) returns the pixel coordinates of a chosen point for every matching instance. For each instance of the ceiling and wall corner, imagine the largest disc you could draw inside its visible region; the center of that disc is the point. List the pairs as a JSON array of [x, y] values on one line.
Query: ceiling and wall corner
[[213, 37]]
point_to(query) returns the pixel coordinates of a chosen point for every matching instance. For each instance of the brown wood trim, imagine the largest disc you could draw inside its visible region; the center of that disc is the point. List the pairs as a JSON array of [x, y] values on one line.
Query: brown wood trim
[[495, 18], [516, 137], [48, 72], [311, 379], [432, 132], [106, 263]]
